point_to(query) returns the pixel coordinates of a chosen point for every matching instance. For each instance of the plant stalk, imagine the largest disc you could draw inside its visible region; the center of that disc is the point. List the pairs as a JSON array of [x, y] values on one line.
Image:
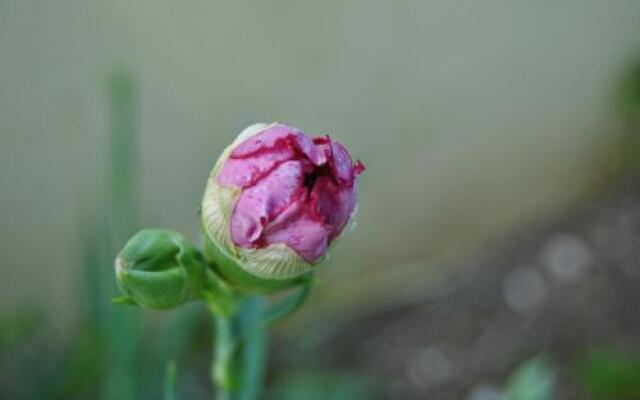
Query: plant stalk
[[239, 351]]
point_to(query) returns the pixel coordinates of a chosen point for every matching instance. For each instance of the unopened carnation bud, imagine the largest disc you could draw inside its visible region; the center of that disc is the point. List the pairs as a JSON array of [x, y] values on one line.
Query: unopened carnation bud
[[275, 202], [159, 269]]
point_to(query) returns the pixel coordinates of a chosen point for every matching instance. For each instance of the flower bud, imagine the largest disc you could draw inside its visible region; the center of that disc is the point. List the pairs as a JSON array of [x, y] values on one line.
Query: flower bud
[[159, 269], [274, 203]]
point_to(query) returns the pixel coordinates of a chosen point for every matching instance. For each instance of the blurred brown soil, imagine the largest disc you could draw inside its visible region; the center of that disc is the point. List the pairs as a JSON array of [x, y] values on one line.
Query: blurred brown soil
[[557, 289]]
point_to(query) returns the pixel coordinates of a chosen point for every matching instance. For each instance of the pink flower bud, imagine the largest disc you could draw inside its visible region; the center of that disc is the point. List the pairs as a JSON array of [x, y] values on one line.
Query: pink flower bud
[[280, 196]]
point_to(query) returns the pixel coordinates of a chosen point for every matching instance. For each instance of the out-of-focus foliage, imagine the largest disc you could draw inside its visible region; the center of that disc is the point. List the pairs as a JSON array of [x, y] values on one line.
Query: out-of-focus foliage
[[630, 92], [629, 105], [323, 385], [533, 380], [607, 374]]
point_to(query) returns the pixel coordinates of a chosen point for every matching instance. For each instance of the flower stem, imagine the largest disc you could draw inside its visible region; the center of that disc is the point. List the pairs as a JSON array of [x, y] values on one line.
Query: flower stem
[[241, 325], [239, 353]]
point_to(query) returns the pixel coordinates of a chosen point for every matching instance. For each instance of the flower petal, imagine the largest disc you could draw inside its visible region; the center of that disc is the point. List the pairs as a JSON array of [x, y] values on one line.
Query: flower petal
[[359, 168], [333, 203], [244, 172], [308, 237], [263, 202], [270, 137], [258, 155], [306, 146], [341, 163]]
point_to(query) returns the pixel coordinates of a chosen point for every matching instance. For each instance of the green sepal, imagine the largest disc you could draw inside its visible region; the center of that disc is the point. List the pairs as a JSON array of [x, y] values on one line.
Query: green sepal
[[124, 300], [228, 268]]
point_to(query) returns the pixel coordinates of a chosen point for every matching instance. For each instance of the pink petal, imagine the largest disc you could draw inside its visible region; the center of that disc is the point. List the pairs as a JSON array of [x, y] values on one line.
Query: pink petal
[[258, 155], [307, 237], [341, 163], [263, 140], [292, 212], [333, 203], [306, 146], [323, 145], [277, 136], [261, 203], [243, 172]]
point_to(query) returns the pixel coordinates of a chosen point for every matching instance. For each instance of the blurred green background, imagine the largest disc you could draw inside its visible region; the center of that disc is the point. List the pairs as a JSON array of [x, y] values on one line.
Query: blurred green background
[[478, 122]]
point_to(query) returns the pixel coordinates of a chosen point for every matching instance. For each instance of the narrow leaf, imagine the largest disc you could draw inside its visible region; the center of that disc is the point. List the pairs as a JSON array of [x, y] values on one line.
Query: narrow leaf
[[277, 311], [170, 381]]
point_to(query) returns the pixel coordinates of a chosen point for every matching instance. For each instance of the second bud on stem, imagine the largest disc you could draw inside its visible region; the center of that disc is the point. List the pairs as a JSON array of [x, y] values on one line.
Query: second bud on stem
[[159, 269]]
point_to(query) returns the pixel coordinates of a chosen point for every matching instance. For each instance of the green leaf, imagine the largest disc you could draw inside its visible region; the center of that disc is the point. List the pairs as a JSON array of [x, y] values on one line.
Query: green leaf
[[533, 380], [277, 311], [629, 91], [288, 305]]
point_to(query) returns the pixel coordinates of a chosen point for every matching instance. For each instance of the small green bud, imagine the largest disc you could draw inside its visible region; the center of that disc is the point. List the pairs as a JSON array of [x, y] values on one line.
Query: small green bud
[[159, 269]]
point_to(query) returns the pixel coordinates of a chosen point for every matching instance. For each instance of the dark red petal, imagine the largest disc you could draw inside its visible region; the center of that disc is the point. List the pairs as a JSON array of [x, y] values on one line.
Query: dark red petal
[[341, 164], [359, 168], [333, 203], [318, 140]]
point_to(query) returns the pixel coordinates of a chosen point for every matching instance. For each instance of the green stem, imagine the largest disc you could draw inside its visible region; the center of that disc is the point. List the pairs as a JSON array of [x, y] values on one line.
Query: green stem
[[240, 336], [170, 381], [238, 359], [223, 368]]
